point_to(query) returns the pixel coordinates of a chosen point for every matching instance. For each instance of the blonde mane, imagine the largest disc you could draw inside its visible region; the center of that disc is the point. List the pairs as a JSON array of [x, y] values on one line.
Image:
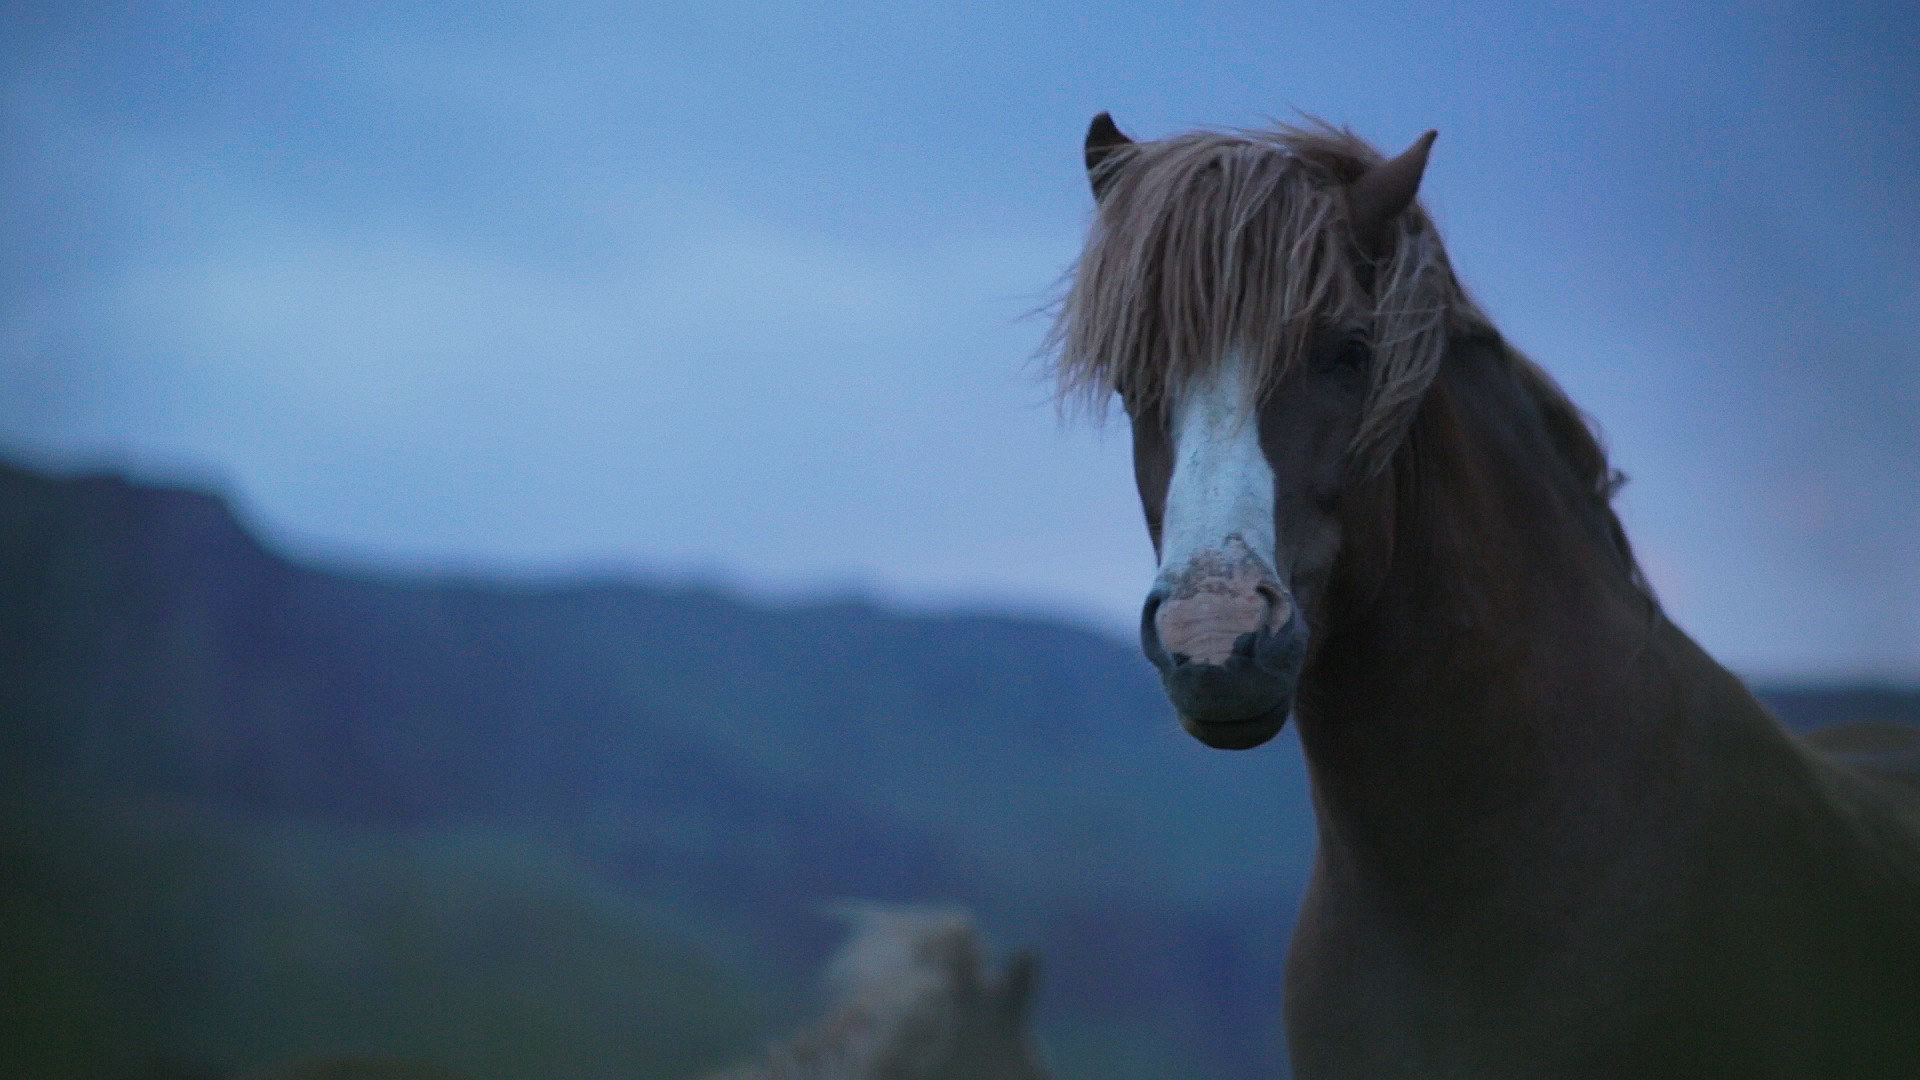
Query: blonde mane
[[1215, 241]]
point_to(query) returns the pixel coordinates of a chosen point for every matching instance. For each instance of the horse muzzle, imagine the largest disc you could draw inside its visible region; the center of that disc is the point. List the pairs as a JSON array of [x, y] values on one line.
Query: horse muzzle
[[1228, 643]]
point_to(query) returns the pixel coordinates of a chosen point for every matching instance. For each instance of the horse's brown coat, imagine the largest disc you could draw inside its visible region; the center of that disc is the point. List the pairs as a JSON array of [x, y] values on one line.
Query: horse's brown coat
[[1556, 838]]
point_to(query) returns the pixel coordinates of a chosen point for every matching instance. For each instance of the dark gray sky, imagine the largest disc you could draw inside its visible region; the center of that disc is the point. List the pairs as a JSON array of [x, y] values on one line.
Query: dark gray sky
[[738, 292]]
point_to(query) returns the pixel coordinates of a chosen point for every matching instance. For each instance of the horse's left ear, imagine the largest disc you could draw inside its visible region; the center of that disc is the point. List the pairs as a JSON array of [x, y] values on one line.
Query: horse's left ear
[[1103, 138], [1382, 192]]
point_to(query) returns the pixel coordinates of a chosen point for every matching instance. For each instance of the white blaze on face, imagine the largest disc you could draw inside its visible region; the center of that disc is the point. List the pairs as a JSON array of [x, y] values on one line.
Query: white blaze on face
[[1217, 580], [1222, 487]]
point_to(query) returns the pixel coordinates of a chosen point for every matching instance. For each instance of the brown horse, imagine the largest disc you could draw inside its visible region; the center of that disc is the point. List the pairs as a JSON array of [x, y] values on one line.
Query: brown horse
[[1556, 839]]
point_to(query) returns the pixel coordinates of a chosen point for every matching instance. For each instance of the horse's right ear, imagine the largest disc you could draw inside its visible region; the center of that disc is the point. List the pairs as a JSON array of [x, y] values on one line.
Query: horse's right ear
[[1103, 138]]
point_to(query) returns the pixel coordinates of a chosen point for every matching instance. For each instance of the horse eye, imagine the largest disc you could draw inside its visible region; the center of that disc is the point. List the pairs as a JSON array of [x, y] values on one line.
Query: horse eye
[[1350, 354]]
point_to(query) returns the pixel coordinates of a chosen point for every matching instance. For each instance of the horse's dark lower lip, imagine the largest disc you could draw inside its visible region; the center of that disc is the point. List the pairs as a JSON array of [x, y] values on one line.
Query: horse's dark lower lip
[[1236, 734]]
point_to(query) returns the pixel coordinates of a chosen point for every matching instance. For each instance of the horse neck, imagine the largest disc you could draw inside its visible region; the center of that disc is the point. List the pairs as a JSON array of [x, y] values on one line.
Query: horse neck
[[1491, 666]]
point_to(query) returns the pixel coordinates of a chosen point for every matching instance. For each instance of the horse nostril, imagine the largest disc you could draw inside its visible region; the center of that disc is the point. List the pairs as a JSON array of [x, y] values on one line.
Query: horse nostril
[[1244, 645], [1278, 607], [1150, 633]]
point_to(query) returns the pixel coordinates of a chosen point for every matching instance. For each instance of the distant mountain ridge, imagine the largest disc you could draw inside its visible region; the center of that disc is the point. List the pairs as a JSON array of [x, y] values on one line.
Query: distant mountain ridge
[[742, 760], [149, 639]]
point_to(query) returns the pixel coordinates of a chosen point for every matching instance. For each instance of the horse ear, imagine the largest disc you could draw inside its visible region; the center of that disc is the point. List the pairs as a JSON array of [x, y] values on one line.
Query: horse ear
[[1379, 195], [1015, 992], [1103, 138]]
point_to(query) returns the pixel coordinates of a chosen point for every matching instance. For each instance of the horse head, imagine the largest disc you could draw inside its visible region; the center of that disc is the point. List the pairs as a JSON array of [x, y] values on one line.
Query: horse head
[[1229, 294]]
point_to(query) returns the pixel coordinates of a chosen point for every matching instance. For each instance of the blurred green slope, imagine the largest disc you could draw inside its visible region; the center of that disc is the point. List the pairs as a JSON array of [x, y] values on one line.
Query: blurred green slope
[[146, 933]]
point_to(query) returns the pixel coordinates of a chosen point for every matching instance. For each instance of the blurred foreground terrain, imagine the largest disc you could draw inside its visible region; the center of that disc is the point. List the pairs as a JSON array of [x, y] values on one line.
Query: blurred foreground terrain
[[252, 810]]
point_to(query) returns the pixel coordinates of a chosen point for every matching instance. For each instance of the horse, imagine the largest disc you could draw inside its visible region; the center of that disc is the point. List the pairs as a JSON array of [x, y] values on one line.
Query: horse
[[1554, 837], [912, 1001]]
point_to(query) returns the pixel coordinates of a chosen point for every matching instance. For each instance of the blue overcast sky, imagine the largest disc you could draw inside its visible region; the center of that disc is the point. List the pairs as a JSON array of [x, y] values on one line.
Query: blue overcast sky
[[743, 292]]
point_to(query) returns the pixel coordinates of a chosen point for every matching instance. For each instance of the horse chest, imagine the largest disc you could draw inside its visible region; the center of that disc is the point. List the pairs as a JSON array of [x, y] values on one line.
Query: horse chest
[[1801, 971], [1367, 998]]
